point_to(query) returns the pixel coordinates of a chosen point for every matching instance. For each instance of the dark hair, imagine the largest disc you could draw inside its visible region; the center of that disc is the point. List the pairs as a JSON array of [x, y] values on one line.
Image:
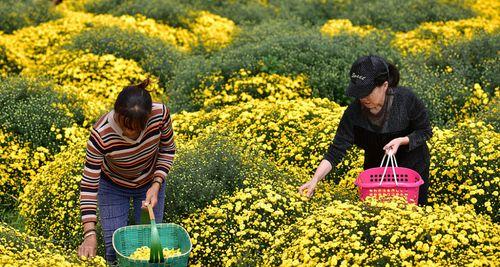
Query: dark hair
[[134, 105], [391, 73]]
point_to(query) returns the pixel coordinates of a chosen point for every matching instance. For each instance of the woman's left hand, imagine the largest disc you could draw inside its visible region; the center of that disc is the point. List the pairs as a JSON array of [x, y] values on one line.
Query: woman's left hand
[[392, 146], [151, 196]]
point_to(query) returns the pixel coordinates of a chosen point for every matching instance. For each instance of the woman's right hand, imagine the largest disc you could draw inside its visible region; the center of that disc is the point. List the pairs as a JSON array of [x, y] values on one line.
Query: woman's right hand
[[323, 169], [88, 248], [309, 187]]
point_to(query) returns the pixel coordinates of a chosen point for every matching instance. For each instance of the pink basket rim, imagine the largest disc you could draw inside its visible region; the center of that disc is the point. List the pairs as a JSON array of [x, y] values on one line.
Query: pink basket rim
[[388, 184]]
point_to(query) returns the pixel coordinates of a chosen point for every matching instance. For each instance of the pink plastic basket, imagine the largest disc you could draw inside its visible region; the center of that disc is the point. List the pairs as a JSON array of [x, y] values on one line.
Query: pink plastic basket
[[381, 183]]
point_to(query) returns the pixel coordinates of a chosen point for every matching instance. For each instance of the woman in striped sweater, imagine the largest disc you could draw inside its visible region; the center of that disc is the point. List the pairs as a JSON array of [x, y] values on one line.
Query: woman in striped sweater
[[129, 153]]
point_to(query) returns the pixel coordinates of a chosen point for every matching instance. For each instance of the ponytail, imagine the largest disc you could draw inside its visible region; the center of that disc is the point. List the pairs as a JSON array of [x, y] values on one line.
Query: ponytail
[[144, 84], [386, 71], [393, 75]]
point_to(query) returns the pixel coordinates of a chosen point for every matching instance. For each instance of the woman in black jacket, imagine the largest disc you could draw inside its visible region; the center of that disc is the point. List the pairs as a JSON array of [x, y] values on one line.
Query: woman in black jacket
[[384, 118]]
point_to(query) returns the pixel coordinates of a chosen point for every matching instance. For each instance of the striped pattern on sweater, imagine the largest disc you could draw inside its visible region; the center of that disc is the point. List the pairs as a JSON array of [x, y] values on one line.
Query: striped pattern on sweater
[[126, 162]]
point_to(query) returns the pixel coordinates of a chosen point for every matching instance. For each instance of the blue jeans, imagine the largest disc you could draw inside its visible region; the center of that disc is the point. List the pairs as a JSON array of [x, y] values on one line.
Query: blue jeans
[[113, 202]]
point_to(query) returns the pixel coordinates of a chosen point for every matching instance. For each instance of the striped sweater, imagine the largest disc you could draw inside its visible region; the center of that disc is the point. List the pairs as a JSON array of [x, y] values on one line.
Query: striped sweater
[[126, 162]]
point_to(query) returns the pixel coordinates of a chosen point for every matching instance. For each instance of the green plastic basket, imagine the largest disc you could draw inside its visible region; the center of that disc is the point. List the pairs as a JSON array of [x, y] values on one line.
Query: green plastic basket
[[128, 239]]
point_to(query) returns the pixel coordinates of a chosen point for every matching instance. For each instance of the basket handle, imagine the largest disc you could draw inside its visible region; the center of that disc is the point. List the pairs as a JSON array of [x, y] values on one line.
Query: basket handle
[[383, 159], [394, 160], [394, 163], [385, 155], [385, 169], [391, 158], [151, 213]]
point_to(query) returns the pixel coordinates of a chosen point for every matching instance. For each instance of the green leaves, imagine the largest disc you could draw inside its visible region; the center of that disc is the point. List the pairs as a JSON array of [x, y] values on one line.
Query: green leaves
[[35, 112]]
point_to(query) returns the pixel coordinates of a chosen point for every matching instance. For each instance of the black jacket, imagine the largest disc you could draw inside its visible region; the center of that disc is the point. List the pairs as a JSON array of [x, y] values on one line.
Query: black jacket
[[407, 117]]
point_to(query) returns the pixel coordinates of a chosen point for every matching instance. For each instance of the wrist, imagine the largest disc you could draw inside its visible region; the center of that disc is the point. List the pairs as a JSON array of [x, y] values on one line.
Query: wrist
[[158, 179], [92, 236], [316, 179], [405, 140], [91, 233], [88, 226], [156, 185], [88, 231]]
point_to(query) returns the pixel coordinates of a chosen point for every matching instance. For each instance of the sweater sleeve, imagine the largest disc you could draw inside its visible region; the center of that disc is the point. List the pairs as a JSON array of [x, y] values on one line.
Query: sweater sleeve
[[167, 147], [419, 122], [90, 180], [342, 141]]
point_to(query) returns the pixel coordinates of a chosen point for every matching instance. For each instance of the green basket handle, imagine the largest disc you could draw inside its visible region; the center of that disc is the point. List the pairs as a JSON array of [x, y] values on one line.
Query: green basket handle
[[144, 216], [156, 251]]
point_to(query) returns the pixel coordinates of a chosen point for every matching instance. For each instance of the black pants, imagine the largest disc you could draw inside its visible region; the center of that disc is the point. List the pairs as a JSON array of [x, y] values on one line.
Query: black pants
[[423, 192]]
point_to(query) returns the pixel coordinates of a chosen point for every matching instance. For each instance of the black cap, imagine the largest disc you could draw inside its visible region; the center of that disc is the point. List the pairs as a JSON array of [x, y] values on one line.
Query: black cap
[[364, 73]]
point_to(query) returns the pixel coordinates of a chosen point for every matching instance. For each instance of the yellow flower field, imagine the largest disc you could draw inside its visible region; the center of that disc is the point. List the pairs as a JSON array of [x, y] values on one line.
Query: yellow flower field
[[256, 94]]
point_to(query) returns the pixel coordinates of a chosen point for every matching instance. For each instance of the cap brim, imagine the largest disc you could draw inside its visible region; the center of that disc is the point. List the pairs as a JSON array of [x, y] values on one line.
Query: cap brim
[[358, 90]]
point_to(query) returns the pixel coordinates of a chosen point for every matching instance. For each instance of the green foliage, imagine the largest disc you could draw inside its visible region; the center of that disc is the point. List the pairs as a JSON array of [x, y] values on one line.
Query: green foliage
[[242, 12], [16, 14], [444, 94], [12, 218], [378, 13], [31, 108], [171, 12], [445, 79], [102, 6], [400, 15], [476, 60], [324, 60], [214, 166], [152, 54], [272, 28], [314, 12]]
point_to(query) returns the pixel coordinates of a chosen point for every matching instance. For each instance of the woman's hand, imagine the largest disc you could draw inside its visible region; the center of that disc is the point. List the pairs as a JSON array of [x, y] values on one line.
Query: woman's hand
[[392, 146], [309, 187], [151, 196], [88, 248], [322, 170]]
